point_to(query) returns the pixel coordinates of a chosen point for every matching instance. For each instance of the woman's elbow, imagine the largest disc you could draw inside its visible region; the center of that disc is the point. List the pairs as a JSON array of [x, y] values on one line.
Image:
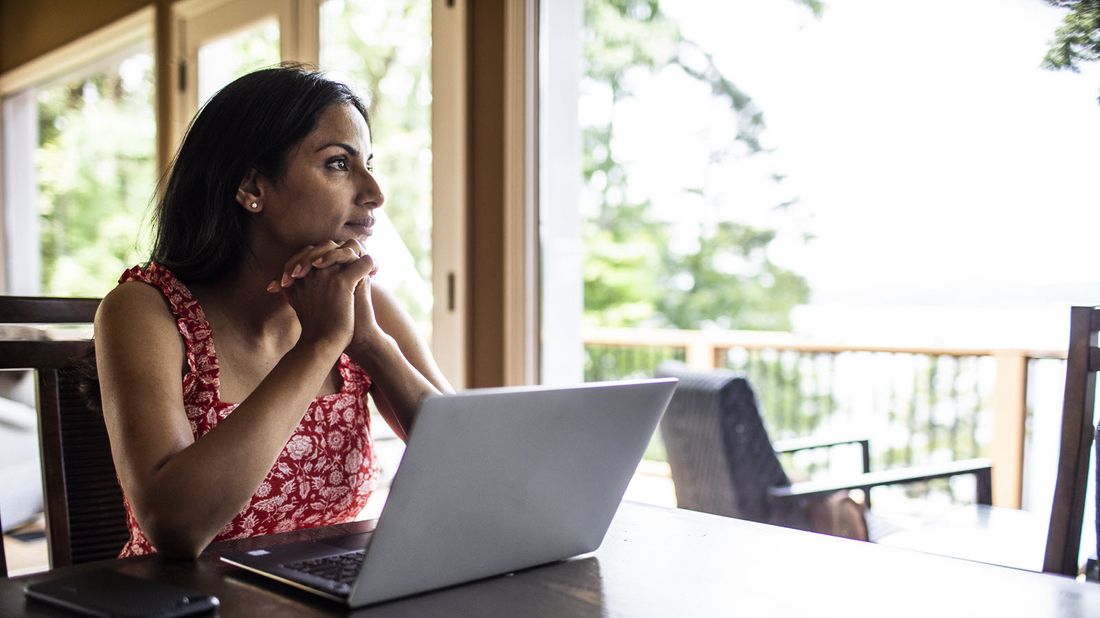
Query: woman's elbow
[[173, 537], [178, 551], [177, 544]]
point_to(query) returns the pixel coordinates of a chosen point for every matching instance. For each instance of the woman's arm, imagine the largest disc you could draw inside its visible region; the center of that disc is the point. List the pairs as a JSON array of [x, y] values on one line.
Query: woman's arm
[[398, 360], [385, 343], [183, 490]]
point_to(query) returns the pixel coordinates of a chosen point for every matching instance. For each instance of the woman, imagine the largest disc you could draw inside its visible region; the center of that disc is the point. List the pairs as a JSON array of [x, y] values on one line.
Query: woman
[[260, 249]]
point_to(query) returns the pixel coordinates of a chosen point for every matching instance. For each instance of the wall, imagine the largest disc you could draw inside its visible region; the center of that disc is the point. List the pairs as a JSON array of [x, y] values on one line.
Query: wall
[[30, 28], [485, 339]]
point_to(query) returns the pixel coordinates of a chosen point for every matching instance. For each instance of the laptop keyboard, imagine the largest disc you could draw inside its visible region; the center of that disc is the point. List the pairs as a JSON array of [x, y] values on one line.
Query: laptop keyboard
[[340, 568]]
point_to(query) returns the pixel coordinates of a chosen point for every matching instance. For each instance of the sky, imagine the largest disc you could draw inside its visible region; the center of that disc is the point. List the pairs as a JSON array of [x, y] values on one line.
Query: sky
[[944, 175]]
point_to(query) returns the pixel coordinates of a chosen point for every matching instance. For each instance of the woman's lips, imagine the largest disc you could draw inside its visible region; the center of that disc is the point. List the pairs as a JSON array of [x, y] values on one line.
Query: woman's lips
[[361, 226]]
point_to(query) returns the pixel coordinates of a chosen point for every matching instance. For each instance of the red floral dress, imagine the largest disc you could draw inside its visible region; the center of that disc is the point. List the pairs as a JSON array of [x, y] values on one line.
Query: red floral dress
[[327, 469]]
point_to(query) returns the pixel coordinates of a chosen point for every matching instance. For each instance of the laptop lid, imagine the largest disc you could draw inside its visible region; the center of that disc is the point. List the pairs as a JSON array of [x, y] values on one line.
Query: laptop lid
[[497, 480]]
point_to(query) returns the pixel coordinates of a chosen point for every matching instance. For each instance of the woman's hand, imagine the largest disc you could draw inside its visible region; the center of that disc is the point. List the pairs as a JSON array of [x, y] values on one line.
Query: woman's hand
[[384, 340], [321, 284], [319, 256]]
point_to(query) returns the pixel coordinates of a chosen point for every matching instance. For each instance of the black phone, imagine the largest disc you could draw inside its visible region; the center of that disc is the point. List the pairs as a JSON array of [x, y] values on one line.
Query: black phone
[[110, 593]]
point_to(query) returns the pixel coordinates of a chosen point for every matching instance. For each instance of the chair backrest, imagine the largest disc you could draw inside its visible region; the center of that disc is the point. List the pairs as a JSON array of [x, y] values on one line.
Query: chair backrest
[[721, 457], [1068, 510], [85, 517]]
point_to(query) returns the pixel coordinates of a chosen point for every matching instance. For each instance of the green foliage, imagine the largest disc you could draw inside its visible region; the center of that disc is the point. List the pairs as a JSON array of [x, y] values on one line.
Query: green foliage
[[729, 283], [633, 275], [817, 6], [622, 266], [1077, 40], [95, 170]]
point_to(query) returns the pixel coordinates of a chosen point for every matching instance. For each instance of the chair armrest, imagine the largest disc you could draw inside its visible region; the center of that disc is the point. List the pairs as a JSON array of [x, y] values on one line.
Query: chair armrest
[[794, 445], [980, 467], [791, 445]]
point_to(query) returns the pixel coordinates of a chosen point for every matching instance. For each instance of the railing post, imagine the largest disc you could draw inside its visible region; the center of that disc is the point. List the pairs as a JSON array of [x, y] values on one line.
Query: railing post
[[700, 353], [1009, 418]]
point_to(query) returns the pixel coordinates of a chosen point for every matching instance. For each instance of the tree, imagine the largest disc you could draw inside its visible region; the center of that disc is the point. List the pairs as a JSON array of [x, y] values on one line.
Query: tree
[[633, 274], [1077, 40]]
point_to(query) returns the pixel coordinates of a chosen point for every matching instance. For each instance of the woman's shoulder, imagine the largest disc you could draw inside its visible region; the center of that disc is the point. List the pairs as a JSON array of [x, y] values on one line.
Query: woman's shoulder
[[134, 320], [153, 274], [136, 339], [158, 286], [133, 305]]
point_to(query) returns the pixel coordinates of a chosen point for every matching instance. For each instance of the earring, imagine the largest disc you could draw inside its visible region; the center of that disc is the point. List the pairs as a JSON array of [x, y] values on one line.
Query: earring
[[253, 205]]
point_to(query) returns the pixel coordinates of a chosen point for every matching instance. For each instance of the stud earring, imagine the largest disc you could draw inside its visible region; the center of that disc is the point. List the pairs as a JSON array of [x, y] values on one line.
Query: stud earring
[[253, 205]]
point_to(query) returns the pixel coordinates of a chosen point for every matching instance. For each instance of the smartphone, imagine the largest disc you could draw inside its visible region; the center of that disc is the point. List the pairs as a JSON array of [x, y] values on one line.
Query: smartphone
[[110, 593]]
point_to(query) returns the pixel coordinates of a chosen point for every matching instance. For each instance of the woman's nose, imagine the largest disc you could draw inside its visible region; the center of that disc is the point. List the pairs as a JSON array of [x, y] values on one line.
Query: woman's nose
[[371, 193]]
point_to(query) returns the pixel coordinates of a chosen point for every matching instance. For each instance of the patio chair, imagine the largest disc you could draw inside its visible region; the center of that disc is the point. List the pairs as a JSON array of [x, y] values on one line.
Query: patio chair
[[723, 461], [85, 517]]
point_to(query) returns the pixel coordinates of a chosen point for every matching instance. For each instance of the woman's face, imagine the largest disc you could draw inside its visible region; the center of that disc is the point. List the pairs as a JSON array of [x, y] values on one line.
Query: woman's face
[[327, 191]]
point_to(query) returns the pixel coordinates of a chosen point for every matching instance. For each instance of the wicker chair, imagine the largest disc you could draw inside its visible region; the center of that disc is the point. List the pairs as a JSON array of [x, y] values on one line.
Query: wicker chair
[[724, 462], [85, 517]]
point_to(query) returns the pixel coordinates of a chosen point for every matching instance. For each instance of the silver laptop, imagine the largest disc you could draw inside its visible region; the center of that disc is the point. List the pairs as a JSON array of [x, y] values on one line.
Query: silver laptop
[[492, 481]]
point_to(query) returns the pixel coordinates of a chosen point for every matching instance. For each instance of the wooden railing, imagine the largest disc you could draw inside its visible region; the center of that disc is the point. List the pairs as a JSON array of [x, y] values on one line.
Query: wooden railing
[[919, 404]]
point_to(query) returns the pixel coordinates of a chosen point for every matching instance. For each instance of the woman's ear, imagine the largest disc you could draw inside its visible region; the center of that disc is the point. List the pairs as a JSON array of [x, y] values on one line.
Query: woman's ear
[[249, 194]]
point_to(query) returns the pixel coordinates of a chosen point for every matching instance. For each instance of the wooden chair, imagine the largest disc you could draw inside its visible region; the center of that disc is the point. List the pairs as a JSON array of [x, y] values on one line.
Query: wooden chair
[[1078, 426], [85, 517], [723, 461]]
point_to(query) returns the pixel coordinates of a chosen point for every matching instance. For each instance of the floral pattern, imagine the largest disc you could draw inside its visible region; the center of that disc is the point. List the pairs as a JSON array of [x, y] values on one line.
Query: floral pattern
[[327, 469]]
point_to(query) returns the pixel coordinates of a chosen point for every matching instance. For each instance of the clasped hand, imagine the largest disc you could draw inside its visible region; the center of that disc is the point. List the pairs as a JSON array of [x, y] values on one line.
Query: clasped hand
[[328, 285]]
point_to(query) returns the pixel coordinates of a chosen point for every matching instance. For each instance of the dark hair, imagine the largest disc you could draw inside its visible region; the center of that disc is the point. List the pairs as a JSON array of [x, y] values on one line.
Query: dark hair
[[250, 124]]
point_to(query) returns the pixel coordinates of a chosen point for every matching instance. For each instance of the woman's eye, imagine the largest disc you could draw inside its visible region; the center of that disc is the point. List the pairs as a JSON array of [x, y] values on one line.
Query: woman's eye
[[370, 166], [339, 164]]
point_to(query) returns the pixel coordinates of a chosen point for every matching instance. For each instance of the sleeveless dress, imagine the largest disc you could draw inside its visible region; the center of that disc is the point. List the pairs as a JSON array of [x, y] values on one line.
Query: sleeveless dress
[[327, 469]]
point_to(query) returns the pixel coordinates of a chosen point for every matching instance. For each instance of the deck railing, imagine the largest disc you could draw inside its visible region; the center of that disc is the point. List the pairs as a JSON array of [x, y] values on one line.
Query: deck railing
[[918, 404]]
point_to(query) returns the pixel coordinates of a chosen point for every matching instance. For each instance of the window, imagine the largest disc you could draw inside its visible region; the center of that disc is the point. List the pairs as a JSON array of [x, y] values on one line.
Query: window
[[224, 59], [218, 42], [714, 168], [80, 170]]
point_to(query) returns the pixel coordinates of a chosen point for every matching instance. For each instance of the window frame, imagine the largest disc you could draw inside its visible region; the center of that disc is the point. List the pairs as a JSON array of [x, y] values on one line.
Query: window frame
[[196, 21]]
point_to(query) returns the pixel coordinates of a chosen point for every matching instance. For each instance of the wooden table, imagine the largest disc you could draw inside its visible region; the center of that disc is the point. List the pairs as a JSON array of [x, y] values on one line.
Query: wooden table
[[664, 562], [990, 534]]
